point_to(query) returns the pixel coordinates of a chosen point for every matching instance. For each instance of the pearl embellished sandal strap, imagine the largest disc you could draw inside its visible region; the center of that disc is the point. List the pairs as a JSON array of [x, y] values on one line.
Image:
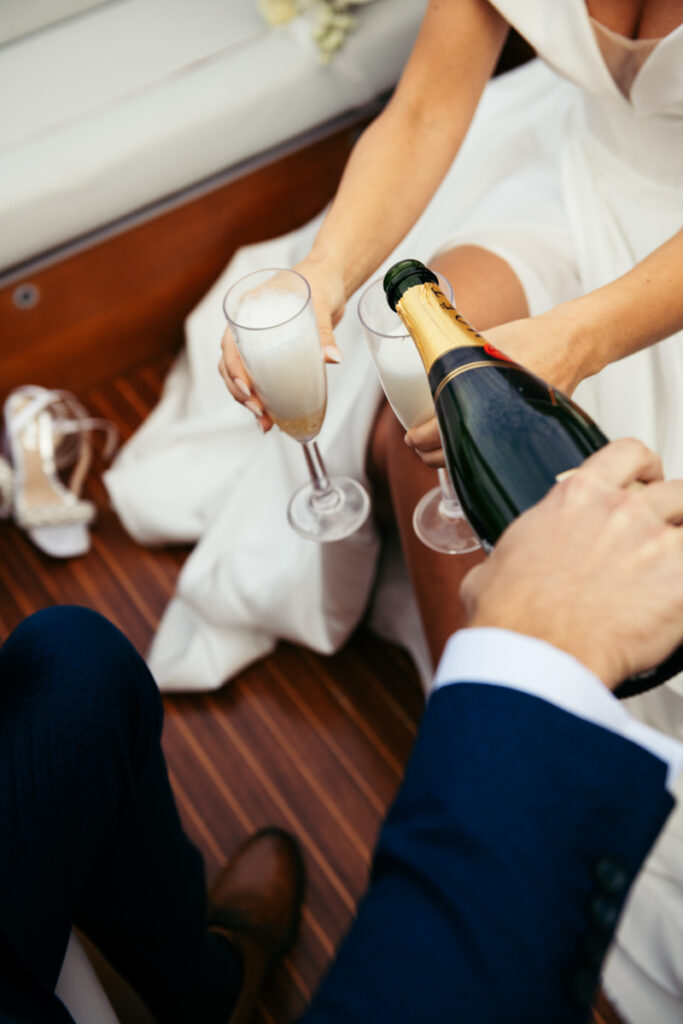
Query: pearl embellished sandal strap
[[58, 402], [53, 514]]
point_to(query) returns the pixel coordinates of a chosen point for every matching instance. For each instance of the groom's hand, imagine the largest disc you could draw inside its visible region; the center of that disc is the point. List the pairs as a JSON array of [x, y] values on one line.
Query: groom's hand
[[596, 568]]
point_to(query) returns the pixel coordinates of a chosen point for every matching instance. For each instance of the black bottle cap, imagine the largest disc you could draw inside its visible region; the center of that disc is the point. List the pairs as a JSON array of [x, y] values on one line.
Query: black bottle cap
[[404, 275]]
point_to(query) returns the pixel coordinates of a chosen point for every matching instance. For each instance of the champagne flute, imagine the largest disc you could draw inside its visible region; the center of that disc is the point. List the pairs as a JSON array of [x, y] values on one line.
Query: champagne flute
[[438, 519], [271, 316]]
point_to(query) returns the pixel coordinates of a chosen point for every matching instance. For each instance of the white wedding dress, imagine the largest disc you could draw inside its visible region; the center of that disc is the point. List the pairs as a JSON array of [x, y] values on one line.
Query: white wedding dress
[[572, 182]]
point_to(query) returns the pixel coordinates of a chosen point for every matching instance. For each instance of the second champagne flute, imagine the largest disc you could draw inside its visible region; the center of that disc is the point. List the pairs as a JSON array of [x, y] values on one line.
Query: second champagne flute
[[271, 316], [438, 519]]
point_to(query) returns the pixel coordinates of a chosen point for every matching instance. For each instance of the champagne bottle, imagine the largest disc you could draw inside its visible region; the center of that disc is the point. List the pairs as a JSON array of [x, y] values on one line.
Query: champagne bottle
[[507, 435]]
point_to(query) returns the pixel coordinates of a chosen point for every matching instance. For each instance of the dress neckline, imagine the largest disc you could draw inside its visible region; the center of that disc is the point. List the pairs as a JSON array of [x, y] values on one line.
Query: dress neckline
[[623, 40], [624, 57]]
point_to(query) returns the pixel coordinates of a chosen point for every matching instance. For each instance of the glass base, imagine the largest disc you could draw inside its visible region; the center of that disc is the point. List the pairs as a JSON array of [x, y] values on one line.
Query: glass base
[[331, 517], [441, 531]]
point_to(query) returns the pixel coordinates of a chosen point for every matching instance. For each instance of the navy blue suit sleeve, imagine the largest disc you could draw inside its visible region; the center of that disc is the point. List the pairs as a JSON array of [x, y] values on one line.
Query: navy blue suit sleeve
[[501, 870]]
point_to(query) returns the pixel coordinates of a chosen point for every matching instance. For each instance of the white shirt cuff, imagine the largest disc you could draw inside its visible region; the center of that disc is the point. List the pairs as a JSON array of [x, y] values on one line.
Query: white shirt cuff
[[501, 657]]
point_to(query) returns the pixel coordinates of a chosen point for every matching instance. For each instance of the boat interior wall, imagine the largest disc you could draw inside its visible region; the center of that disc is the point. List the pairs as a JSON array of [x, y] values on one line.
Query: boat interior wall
[[78, 320], [143, 143]]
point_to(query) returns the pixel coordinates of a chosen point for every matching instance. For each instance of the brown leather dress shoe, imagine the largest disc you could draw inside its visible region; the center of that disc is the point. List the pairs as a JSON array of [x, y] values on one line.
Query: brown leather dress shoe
[[256, 904]]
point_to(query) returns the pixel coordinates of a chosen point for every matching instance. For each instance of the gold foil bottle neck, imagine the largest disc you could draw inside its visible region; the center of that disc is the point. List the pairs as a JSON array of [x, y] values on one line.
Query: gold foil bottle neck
[[433, 323]]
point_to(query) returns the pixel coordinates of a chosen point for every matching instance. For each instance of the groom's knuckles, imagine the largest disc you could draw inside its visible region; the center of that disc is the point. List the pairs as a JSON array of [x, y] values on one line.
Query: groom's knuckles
[[624, 460], [666, 500]]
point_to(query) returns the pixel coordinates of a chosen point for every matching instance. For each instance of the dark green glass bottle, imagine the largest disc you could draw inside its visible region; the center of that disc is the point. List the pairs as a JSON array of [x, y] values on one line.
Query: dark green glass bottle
[[507, 435]]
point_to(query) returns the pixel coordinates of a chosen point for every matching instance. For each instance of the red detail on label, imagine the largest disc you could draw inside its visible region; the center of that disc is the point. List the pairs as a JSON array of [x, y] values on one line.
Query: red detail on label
[[491, 351]]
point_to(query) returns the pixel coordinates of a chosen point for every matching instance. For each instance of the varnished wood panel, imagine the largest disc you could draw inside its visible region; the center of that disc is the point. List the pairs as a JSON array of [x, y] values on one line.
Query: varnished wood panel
[[122, 301]]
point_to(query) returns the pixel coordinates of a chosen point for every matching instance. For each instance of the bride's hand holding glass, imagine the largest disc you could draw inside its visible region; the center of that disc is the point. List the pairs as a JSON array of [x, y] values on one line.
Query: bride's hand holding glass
[[425, 441], [277, 341], [328, 300], [438, 519]]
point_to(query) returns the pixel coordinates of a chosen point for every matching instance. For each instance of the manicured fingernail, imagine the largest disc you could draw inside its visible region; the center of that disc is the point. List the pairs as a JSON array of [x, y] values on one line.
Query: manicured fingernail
[[253, 407], [259, 424], [333, 354], [407, 441], [243, 387]]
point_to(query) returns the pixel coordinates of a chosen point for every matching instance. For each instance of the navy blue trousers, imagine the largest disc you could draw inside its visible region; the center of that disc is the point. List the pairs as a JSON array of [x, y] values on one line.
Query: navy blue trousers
[[90, 834]]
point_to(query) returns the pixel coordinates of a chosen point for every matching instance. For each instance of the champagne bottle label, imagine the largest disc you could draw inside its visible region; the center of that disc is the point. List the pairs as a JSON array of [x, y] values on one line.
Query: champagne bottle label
[[434, 324]]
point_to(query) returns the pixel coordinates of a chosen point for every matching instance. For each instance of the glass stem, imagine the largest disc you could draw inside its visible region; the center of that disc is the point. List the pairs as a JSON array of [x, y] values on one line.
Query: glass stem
[[450, 505], [324, 495]]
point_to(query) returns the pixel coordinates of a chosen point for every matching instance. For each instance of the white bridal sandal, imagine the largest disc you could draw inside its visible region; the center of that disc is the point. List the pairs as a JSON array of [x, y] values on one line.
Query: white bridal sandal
[[47, 431]]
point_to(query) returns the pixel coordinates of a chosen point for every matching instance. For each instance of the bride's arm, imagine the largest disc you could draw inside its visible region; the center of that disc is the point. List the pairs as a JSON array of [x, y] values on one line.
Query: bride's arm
[[402, 157], [397, 164], [578, 338], [636, 310]]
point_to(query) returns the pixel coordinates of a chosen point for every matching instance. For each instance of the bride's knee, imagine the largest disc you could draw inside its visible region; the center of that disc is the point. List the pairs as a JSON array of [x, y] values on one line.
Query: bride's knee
[[486, 289]]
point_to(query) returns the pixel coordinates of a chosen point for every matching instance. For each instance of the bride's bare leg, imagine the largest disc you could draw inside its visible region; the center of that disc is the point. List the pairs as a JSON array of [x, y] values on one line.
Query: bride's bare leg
[[487, 292]]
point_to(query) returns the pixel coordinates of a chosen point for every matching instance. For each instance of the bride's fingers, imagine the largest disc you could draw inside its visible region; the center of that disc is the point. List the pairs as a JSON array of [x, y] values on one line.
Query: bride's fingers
[[252, 404], [332, 354], [426, 437], [623, 462], [236, 379], [434, 459], [228, 382], [235, 376]]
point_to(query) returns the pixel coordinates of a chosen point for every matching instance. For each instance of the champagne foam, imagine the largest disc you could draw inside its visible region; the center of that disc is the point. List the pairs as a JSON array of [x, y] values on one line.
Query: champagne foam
[[279, 345], [271, 307]]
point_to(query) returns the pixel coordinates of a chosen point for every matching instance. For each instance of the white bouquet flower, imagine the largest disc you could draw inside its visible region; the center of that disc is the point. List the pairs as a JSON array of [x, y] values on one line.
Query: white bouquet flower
[[332, 19]]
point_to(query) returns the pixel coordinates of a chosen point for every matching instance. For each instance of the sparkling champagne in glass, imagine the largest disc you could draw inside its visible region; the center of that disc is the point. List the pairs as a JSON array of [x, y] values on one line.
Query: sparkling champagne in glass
[[438, 519], [271, 316]]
